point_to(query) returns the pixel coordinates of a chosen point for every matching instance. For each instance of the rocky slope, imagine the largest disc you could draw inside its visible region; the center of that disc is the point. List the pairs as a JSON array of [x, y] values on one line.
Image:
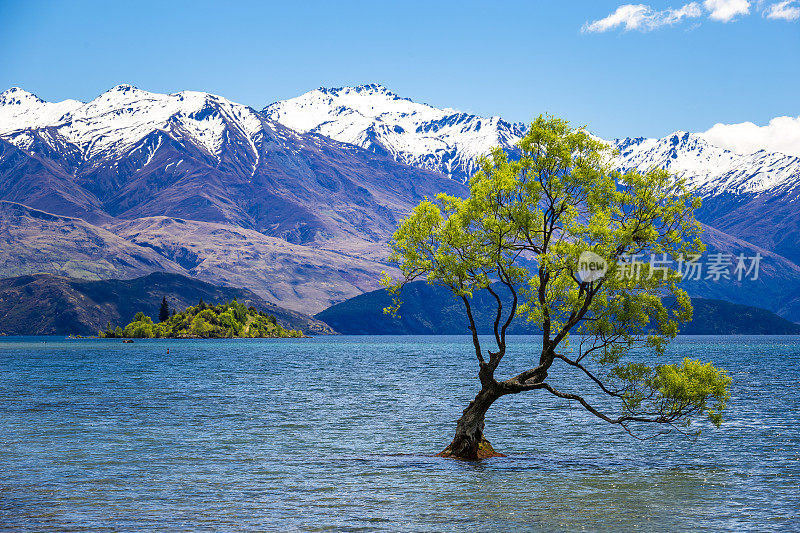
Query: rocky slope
[[298, 276], [34, 241]]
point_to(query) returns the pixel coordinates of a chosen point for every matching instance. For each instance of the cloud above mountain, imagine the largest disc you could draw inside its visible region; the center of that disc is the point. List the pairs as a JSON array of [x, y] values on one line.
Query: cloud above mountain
[[782, 134], [643, 18], [788, 10], [726, 10]]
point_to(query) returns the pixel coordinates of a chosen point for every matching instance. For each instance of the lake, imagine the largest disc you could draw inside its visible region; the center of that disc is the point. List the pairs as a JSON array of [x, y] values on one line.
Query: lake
[[338, 433]]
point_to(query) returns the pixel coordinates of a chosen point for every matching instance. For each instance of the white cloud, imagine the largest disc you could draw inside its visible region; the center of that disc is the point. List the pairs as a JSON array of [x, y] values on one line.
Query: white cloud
[[629, 15], [642, 18], [672, 16], [787, 10], [726, 10], [782, 134]]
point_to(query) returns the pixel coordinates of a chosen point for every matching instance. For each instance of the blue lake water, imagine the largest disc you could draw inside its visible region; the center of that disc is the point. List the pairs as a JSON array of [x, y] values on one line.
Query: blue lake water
[[337, 433]]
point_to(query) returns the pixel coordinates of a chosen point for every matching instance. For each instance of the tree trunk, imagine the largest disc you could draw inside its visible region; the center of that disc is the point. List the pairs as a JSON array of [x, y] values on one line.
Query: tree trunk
[[469, 442]]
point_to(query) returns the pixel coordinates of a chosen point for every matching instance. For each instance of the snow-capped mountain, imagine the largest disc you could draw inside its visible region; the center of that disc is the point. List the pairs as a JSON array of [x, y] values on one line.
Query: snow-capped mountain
[[749, 196], [217, 187], [451, 142], [323, 209], [708, 168], [118, 120], [734, 186], [138, 153], [20, 109], [371, 116]]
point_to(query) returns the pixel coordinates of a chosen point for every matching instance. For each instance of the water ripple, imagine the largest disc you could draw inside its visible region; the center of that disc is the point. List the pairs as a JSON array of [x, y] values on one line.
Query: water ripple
[[338, 433]]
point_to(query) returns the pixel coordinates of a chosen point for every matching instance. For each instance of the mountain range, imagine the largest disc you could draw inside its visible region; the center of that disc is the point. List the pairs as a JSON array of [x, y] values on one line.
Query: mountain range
[[216, 190], [374, 118], [297, 201]]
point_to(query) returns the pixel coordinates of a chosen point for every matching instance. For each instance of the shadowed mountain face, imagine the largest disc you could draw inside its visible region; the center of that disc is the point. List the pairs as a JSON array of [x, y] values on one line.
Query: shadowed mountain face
[[777, 287], [36, 181], [433, 310], [45, 304]]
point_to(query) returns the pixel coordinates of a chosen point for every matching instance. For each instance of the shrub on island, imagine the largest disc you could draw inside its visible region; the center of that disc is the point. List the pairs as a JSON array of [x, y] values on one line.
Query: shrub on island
[[228, 320]]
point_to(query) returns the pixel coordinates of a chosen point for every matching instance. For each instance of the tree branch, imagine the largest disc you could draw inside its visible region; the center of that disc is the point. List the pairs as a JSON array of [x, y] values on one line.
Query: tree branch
[[475, 341]]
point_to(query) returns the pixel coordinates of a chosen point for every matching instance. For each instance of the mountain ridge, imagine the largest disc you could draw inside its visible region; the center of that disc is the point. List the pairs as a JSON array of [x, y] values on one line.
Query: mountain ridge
[[443, 140], [209, 188]]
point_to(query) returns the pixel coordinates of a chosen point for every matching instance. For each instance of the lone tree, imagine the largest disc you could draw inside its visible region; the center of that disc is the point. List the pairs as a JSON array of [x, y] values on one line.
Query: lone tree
[[163, 313], [523, 228]]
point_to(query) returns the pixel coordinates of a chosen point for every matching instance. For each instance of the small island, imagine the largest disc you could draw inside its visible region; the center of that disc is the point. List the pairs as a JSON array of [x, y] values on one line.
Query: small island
[[202, 321]]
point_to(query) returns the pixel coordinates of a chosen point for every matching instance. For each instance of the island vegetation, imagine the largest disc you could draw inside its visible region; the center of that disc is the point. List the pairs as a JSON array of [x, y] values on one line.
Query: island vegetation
[[527, 225], [222, 321]]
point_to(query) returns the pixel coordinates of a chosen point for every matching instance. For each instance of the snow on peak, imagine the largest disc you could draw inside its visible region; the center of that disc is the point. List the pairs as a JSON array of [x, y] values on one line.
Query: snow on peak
[[451, 142], [120, 117], [20, 109], [373, 117], [369, 88], [710, 169], [18, 96], [370, 116], [124, 88]]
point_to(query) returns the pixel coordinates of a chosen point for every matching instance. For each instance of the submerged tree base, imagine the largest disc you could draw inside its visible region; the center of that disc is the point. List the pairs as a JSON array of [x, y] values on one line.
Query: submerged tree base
[[484, 451]]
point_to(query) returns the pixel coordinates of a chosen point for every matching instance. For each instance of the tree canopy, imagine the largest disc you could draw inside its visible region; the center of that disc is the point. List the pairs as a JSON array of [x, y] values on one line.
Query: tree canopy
[[163, 311], [526, 224], [227, 320]]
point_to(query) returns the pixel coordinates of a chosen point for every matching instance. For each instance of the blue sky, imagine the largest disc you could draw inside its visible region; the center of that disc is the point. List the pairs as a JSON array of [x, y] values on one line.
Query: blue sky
[[513, 59]]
